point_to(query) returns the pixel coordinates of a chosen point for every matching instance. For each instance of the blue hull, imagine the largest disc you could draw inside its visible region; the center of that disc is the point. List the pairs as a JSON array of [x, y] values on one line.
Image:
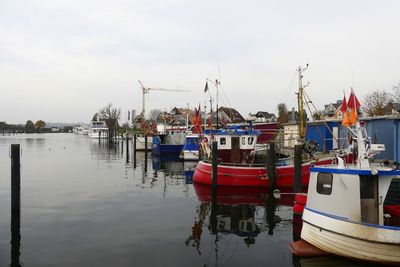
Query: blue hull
[[170, 150]]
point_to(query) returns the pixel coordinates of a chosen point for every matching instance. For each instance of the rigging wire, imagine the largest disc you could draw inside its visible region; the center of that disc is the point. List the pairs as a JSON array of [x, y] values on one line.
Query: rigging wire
[[289, 88], [316, 110]]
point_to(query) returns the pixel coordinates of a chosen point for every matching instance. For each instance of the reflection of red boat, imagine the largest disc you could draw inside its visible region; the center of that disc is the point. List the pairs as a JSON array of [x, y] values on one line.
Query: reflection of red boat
[[246, 175], [235, 195]]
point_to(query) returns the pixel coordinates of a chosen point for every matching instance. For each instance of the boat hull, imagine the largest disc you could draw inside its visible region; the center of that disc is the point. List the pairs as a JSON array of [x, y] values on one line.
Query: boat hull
[[189, 155], [353, 240], [170, 150], [251, 176]]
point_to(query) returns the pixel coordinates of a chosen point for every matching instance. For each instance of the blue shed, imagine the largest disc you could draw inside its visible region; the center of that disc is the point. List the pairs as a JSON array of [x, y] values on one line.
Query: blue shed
[[382, 130], [322, 133]]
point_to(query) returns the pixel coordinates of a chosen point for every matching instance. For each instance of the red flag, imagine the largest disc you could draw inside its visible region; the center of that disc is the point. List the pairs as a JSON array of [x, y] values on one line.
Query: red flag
[[353, 101], [196, 120], [206, 88], [343, 108]]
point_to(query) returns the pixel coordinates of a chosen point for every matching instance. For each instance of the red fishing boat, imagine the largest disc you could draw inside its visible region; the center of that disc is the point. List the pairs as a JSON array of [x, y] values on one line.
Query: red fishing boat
[[251, 175], [242, 163]]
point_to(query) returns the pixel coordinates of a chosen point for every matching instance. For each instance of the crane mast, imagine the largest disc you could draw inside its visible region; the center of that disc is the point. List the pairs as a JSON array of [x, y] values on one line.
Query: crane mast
[[145, 90]]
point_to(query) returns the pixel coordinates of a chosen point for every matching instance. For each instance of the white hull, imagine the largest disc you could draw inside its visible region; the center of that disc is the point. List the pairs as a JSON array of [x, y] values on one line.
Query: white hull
[[140, 144], [189, 155], [349, 239], [94, 134]]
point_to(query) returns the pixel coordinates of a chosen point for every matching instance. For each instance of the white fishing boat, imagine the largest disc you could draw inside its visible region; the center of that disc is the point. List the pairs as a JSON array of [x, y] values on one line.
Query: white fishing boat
[[98, 130], [345, 213], [190, 150]]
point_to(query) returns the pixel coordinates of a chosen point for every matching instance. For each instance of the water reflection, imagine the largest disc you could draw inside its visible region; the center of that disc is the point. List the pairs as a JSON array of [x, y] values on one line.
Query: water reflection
[[330, 261], [174, 167], [15, 238], [105, 151], [241, 211]]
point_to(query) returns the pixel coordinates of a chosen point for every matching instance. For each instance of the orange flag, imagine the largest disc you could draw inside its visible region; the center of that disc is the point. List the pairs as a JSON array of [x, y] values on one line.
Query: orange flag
[[345, 113]]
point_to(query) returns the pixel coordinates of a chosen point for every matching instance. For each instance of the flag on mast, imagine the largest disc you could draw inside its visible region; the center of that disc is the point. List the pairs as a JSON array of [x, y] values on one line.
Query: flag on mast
[[354, 105], [206, 88]]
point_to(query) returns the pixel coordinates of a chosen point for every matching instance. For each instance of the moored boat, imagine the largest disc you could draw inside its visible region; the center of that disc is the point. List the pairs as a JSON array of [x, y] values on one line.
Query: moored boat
[[190, 149], [98, 129], [169, 143], [345, 212], [240, 165]]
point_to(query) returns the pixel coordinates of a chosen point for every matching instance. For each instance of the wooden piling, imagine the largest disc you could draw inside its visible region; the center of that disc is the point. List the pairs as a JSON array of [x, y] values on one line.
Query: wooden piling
[[214, 156], [15, 205], [271, 166], [298, 160], [134, 149], [15, 177], [145, 153], [127, 147]]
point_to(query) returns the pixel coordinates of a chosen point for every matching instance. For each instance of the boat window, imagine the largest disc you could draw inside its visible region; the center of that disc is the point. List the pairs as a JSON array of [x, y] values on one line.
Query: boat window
[[222, 141], [251, 140], [324, 183], [243, 140]]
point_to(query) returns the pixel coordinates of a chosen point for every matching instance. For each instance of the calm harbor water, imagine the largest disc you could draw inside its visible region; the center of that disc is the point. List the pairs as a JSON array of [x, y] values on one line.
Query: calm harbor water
[[82, 204]]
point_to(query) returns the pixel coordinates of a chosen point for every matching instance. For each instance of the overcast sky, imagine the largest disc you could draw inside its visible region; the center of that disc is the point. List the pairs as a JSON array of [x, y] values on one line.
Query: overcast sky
[[62, 60]]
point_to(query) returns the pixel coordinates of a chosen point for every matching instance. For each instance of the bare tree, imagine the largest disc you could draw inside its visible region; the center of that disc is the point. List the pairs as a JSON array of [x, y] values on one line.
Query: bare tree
[[377, 103], [396, 92], [110, 115], [283, 115]]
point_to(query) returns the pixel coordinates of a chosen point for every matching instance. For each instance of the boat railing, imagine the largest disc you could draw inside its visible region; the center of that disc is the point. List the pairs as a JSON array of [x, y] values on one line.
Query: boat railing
[[235, 164]]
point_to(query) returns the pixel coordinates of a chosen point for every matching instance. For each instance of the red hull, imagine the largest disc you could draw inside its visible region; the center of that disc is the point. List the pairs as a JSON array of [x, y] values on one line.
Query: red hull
[[251, 176]]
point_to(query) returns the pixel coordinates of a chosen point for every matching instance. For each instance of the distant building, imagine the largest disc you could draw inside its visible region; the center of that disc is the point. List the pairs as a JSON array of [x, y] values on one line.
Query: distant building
[[228, 115], [332, 110], [263, 116]]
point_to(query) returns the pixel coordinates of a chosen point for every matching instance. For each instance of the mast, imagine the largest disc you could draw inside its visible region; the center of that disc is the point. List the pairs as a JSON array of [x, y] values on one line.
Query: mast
[[217, 84], [187, 117], [302, 118], [144, 91]]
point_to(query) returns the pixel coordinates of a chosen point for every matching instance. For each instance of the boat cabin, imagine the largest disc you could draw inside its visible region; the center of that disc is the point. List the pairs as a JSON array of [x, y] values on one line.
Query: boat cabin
[[351, 194], [234, 144]]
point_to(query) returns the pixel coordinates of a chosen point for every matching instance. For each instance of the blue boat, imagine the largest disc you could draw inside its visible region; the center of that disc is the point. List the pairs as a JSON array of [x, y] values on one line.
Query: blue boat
[[169, 143], [190, 150]]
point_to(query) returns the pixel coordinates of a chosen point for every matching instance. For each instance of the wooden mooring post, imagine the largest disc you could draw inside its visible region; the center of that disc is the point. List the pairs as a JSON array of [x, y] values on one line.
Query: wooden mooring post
[[15, 177], [271, 166], [134, 149], [127, 147], [15, 204], [298, 160], [214, 156], [145, 153]]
